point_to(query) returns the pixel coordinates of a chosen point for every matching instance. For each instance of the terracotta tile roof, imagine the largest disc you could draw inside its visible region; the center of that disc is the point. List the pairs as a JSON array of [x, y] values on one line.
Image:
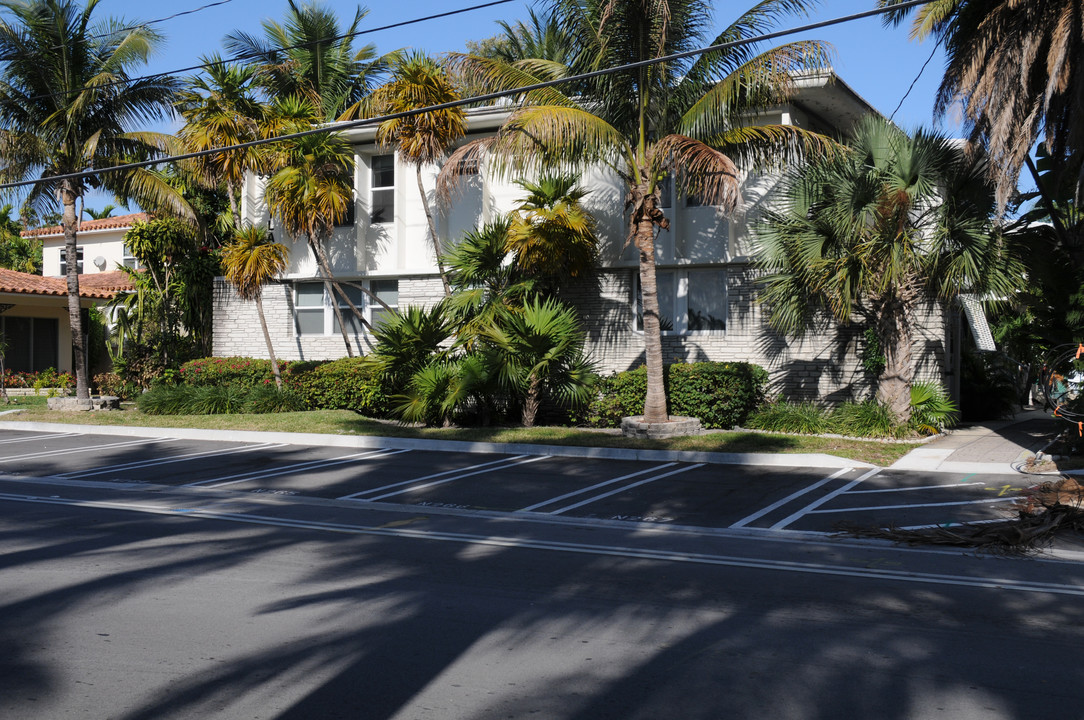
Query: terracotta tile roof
[[120, 221], [100, 286]]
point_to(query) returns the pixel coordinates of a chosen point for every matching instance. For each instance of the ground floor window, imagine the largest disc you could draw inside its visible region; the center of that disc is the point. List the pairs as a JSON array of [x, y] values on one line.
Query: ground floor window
[[33, 344], [315, 314], [692, 300]]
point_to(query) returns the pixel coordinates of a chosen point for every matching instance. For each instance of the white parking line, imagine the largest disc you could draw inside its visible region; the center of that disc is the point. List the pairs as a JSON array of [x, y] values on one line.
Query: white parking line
[[780, 503], [382, 488], [817, 503], [171, 459], [581, 491], [909, 489], [915, 505], [87, 448], [623, 488], [34, 437], [434, 483], [287, 469]]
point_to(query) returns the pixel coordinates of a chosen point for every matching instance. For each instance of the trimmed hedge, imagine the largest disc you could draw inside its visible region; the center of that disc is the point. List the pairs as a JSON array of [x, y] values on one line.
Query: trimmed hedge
[[720, 394], [346, 384], [244, 372]]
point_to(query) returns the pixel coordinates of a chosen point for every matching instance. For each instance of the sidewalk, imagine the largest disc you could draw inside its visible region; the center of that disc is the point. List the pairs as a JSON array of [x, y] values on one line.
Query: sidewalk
[[995, 446]]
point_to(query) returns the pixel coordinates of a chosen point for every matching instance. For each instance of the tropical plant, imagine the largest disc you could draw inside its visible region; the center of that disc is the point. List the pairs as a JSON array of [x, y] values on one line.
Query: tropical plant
[[312, 57], [543, 45], [23, 254], [104, 213], [1017, 70], [685, 119], [790, 417], [68, 103], [419, 81], [551, 234], [540, 350], [250, 261], [875, 231], [931, 408], [310, 194]]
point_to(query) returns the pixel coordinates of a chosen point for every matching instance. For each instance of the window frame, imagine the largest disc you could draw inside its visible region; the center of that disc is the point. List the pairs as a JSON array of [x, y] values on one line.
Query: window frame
[[389, 189], [330, 323], [680, 302], [78, 261]]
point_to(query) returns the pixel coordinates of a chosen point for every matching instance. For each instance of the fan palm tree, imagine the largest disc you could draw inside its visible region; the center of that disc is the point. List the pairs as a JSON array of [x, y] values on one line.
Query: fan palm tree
[[250, 261], [877, 229], [419, 81], [687, 119], [1017, 67], [67, 105], [311, 56], [551, 234], [310, 194]]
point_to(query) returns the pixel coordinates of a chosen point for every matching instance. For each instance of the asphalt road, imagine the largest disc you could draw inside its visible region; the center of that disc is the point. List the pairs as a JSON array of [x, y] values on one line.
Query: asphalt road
[[121, 604]]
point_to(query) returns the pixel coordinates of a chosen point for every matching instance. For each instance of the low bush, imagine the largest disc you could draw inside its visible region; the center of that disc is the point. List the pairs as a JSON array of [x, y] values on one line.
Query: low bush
[[243, 372], [269, 399], [47, 378], [803, 418], [721, 395], [113, 384], [931, 409], [217, 400], [864, 419], [346, 384]]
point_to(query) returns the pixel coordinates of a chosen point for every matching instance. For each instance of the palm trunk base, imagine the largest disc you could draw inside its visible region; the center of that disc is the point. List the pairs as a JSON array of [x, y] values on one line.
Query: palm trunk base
[[676, 426]]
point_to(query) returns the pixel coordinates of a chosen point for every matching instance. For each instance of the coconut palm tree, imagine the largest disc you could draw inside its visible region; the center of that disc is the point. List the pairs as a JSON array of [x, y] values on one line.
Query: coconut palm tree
[[688, 119], [551, 234], [876, 230], [250, 261], [1017, 67], [67, 105], [311, 56], [309, 194], [421, 140]]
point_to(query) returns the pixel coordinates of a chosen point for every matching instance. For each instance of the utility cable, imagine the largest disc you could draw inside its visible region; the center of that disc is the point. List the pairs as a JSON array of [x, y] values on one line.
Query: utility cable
[[352, 124], [914, 82]]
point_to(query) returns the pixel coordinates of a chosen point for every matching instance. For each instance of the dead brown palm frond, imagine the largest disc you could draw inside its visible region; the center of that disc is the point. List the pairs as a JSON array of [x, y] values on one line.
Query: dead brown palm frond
[[703, 171], [463, 161], [1042, 513]]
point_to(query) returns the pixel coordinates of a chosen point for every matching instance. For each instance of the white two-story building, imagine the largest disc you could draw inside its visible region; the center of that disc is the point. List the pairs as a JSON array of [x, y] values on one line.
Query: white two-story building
[[706, 280]]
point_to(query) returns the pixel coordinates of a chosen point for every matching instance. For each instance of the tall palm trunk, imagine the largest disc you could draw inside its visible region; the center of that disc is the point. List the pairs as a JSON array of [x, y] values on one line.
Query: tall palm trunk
[[895, 331], [267, 339], [645, 219], [433, 232], [333, 289], [68, 197], [532, 402]]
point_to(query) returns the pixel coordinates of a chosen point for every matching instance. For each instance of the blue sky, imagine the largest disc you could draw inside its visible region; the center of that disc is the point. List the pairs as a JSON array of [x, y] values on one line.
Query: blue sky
[[879, 63]]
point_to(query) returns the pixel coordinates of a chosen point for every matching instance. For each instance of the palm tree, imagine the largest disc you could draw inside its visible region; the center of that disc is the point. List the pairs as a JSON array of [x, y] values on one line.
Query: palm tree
[[687, 119], [104, 213], [537, 348], [419, 81], [1017, 66], [220, 109], [250, 261], [551, 234], [543, 45], [877, 229], [312, 57], [310, 194], [67, 105]]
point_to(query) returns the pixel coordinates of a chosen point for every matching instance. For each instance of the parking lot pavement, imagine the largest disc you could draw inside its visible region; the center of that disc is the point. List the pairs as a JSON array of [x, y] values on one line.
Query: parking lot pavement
[[672, 492]]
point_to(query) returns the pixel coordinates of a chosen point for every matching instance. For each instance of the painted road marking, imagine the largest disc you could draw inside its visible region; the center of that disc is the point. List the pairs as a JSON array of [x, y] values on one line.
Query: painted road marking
[[287, 469], [596, 486], [434, 483], [817, 503], [35, 437], [915, 505], [796, 566], [776, 505], [357, 495], [623, 488], [171, 459], [88, 448], [910, 489], [947, 525]]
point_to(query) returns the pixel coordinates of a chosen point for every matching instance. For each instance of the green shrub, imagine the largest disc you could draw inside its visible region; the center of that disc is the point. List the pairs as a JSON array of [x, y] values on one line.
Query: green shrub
[[269, 399], [721, 395], [931, 409], [242, 372], [864, 419], [216, 400], [346, 384], [164, 400], [790, 417], [112, 384]]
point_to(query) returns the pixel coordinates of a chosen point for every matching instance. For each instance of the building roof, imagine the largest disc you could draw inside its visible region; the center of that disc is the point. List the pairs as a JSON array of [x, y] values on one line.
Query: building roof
[[100, 286], [120, 221]]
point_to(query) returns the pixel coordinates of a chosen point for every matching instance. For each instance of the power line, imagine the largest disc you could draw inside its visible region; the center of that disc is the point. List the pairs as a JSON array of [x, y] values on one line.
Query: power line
[[253, 55], [350, 125], [914, 82]]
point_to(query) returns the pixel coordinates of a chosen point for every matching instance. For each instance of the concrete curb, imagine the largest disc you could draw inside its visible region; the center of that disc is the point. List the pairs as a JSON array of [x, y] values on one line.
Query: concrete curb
[[810, 460]]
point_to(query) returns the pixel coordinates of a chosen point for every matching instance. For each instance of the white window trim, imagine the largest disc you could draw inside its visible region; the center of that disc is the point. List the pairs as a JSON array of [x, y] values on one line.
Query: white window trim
[[367, 305], [681, 300], [393, 187], [79, 255]]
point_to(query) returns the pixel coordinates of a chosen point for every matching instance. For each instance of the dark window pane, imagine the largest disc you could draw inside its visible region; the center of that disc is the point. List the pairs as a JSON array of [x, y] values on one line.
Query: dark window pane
[[380, 315], [383, 206], [310, 295], [386, 290], [356, 295], [46, 343], [383, 170], [310, 321], [353, 325], [707, 300], [17, 333]]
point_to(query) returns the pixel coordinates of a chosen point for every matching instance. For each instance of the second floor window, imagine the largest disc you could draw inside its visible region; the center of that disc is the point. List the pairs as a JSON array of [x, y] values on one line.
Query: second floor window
[[382, 186], [64, 261]]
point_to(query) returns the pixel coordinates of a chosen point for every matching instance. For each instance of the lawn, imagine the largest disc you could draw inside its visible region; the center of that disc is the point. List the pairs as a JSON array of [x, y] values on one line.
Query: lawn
[[344, 422]]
